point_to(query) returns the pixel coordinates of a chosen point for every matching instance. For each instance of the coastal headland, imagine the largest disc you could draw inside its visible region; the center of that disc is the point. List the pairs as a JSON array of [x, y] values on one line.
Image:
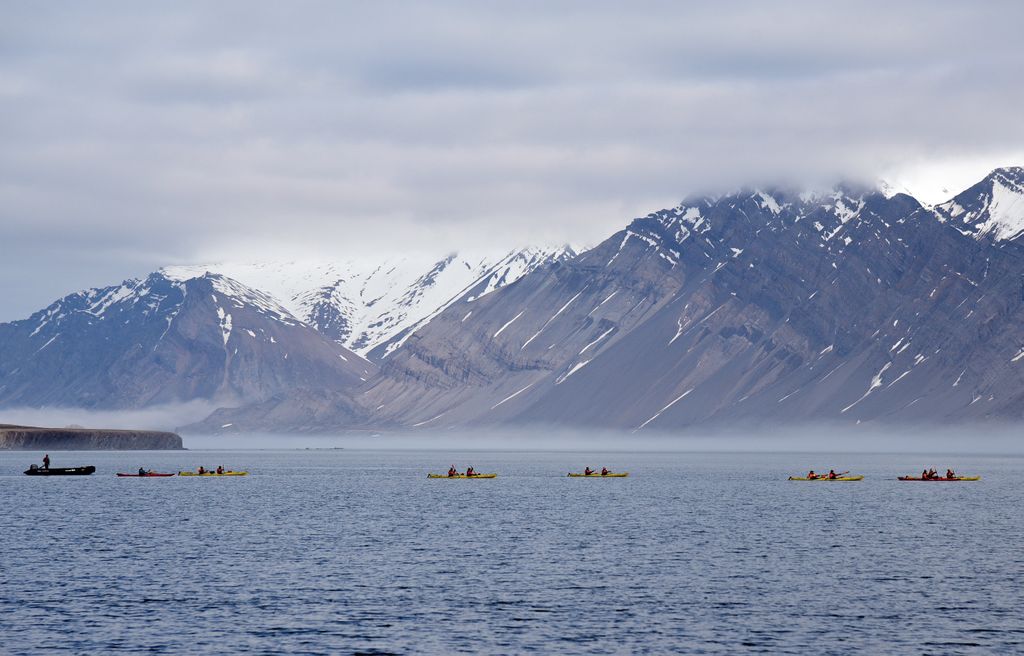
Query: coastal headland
[[34, 438]]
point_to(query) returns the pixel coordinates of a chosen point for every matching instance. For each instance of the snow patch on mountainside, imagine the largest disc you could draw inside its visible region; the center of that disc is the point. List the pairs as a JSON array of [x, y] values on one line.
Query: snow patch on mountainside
[[1005, 211], [225, 324]]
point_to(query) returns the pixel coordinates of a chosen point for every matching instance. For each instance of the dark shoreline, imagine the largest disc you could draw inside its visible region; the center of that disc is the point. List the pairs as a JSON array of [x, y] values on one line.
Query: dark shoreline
[[34, 438]]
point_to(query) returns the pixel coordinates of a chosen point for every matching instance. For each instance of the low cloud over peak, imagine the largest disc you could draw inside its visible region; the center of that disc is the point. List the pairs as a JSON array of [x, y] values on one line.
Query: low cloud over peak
[[138, 135]]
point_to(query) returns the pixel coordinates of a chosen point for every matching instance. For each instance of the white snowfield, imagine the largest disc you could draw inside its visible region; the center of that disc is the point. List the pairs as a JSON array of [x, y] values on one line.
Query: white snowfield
[[1005, 211], [374, 302], [998, 210]]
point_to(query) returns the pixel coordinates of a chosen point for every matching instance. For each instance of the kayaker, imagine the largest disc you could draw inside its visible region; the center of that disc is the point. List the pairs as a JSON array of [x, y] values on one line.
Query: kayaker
[[588, 471], [604, 471], [932, 473], [201, 470], [46, 461], [811, 475], [452, 472], [470, 471], [832, 475], [950, 473], [220, 469], [142, 471], [925, 475]]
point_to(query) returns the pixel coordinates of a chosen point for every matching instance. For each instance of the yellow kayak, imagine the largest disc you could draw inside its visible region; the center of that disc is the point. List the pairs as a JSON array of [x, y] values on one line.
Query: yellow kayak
[[600, 475], [227, 473], [462, 476], [826, 478]]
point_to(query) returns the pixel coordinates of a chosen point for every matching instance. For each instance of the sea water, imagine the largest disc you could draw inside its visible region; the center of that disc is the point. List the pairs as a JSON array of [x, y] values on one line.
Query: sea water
[[344, 551]]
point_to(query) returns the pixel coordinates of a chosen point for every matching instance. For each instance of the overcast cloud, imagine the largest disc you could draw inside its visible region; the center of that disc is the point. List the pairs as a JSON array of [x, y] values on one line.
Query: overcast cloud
[[140, 134]]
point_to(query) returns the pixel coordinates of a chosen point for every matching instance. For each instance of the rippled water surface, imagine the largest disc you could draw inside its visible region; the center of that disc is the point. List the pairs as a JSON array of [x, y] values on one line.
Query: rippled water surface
[[356, 551]]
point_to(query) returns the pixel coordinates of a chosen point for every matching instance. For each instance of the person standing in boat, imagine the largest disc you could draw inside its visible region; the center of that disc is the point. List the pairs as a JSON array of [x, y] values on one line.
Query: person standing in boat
[[46, 461]]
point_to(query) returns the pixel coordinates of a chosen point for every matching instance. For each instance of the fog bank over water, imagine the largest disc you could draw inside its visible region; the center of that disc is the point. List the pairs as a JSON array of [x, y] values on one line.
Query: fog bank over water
[[161, 417], [819, 438], [976, 439]]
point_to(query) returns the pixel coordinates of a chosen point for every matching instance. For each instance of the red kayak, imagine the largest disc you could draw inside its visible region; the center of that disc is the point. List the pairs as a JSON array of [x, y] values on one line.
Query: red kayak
[[148, 475]]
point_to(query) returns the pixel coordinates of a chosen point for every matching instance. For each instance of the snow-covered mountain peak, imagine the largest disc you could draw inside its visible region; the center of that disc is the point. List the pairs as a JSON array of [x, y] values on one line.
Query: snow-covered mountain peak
[[773, 204], [240, 295], [166, 339], [160, 297], [993, 208], [364, 303], [1011, 173], [891, 188], [237, 293], [713, 231], [142, 297]]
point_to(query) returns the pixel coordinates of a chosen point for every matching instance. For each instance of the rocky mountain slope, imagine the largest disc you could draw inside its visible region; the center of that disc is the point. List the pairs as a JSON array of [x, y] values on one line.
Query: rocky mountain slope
[[756, 306], [164, 340]]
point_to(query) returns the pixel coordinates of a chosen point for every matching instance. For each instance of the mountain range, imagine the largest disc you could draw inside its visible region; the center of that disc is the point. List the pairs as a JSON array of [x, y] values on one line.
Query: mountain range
[[758, 306], [371, 306]]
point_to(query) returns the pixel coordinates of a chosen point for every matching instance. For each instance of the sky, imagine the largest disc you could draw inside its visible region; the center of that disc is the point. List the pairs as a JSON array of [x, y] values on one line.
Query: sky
[[137, 135]]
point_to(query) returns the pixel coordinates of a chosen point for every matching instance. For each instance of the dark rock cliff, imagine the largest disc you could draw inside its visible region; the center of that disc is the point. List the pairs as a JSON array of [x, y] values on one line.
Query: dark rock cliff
[[31, 438]]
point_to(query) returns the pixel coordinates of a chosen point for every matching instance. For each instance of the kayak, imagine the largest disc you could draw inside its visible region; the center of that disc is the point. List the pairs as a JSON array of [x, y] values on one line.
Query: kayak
[[146, 475], [462, 476], [227, 473], [599, 475], [60, 471], [947, 480], [825, 478]]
